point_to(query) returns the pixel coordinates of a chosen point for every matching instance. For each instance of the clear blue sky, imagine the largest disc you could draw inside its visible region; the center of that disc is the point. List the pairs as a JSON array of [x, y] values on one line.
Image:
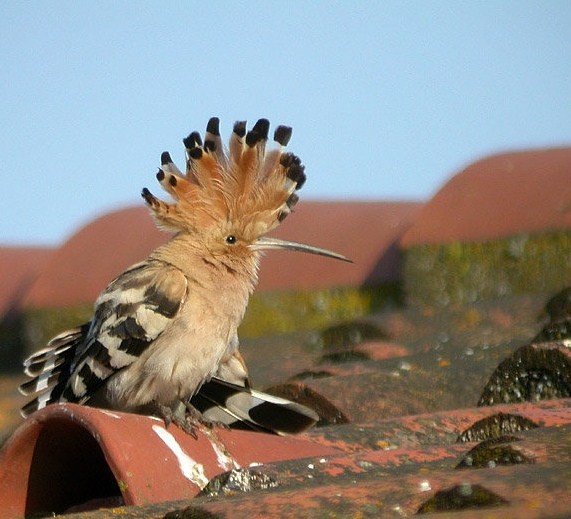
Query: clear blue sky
[[387, 99]]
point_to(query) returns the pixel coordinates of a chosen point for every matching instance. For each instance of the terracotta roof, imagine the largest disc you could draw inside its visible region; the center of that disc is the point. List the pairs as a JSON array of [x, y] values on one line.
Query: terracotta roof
[[502, 195], [398, 432], [91, 258], [19, 267]]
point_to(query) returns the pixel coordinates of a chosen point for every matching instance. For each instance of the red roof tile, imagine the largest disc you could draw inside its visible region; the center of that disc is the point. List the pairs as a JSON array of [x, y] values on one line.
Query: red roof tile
[[501, 195], [515, 473]]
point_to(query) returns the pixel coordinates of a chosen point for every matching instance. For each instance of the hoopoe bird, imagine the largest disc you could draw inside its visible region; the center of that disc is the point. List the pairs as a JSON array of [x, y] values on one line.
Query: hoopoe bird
[[163, 339]]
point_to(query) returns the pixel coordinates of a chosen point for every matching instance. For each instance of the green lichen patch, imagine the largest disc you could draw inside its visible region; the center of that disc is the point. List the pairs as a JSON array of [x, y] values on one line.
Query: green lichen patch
[[38, 326], [460, 273], [283, 312]]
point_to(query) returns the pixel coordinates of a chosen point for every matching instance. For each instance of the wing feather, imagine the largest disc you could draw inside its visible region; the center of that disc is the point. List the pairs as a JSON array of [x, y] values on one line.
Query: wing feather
[[130, 314]]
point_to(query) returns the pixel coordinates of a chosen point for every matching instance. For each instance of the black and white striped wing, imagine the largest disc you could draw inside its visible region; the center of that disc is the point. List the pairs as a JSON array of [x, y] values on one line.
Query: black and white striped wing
[[129, 315]]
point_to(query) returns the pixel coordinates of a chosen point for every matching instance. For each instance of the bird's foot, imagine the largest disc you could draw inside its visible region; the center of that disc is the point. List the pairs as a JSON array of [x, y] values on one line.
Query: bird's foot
[[185, 416], [197, 416], [179, 416]]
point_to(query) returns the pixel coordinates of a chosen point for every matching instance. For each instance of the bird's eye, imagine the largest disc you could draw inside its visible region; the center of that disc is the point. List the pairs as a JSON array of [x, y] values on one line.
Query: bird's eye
[[231, 240]]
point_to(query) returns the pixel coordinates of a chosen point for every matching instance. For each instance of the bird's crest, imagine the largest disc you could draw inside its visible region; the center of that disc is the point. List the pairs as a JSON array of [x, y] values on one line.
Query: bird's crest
[[243, 181]]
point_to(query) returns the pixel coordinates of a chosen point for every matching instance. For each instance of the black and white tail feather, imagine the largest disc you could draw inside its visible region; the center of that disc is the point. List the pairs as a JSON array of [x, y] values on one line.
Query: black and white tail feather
[[47, 367], [241, 407]]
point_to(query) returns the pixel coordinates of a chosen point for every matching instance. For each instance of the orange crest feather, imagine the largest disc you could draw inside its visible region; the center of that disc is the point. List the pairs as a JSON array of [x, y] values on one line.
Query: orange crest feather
[[243, 182]]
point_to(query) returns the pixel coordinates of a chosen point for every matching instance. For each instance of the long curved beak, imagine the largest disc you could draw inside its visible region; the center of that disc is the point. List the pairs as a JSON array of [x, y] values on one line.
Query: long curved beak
[[267, 243]]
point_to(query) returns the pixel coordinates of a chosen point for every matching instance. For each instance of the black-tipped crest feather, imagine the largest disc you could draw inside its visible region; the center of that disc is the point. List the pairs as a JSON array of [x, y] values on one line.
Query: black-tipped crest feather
[[282, 135], [241, 184], [213, 126], [192, 141], [240, 128]]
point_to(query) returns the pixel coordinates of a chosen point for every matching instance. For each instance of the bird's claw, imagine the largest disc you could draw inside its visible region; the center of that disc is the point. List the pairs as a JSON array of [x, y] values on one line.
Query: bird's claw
[[178, 416], [196, 417], [187, 417]]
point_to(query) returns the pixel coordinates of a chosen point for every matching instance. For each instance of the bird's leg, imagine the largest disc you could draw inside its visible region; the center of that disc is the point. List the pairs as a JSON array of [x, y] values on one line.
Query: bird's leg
[[179, 414], [195, 415], [184, 415]]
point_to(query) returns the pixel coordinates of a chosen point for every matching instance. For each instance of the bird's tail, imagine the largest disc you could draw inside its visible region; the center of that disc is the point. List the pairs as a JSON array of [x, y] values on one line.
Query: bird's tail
[[243, 407], [46, 367]]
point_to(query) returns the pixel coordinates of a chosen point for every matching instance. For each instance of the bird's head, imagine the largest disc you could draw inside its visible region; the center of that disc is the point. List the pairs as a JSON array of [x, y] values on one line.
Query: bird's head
[[229, 198]]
